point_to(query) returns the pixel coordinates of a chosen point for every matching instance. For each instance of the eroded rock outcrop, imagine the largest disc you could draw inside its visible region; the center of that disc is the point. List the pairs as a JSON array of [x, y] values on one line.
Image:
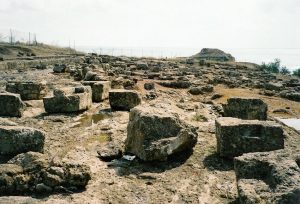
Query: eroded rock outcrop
[[268, 177], [214, 55], [156, 131]]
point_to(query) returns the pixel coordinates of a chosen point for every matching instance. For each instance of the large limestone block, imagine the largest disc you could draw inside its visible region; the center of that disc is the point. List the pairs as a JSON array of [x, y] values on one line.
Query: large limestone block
[[236, 136], [17, 139], [68, 100], [11, 105], [246, 108], [156, 131], [28, 90], [100, 89], [123, 100]]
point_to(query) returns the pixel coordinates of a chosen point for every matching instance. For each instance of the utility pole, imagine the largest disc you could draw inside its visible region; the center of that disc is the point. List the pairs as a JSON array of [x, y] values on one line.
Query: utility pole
[[69, 46], [29, 39], [11, 38], [74, 46], [35, 42]]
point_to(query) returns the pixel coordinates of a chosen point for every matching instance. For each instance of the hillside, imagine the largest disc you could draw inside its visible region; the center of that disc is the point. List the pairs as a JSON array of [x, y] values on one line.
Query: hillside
[[8, 51]]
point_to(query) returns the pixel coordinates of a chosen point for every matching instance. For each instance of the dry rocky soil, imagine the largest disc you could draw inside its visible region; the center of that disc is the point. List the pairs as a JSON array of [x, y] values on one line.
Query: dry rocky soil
[[194, 90]]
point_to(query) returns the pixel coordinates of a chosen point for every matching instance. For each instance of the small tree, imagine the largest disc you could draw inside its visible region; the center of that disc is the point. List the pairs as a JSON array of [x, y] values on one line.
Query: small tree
[[274, 67], [297, 72], [284, 70]]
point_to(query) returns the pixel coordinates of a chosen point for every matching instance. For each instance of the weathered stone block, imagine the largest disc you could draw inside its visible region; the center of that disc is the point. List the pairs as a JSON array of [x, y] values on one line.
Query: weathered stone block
[[201, 89], [268, 177], [28, 90], [246, 108], [236, 136], [274, 86], [100, 89], [17, 139], [68, 100], [11, 105], [120, 99], [33, 172], [59, 68], [142, 65], [176, 84], [149, 86], [156, 131]]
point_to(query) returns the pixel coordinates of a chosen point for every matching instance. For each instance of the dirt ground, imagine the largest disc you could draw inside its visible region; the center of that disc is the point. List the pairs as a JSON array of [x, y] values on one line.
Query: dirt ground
[[198, 176]]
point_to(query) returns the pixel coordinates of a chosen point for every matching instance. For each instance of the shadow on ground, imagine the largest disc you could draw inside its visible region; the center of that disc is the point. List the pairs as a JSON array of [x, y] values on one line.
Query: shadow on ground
[[215, 162], [124, 167]]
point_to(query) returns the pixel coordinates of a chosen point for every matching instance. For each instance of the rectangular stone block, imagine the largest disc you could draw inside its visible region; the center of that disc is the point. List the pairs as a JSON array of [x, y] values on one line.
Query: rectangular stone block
[[100, 89], [68, 100], [236, 136], [11, 105], [28, 90], [123, 100], [246, 108]]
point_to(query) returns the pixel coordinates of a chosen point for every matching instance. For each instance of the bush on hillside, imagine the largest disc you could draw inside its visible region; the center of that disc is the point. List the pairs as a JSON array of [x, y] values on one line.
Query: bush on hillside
[[284, 70], [274, 67], [297, 72]]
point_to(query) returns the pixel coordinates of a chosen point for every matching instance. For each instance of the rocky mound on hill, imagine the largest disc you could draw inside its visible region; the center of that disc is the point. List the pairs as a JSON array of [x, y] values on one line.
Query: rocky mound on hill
[[214, 54]]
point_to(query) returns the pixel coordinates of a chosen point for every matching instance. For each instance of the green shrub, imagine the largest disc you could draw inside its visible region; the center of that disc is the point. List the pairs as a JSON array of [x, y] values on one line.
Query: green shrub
[[274, 67], [297, 72], [200, 118], [284, 70]]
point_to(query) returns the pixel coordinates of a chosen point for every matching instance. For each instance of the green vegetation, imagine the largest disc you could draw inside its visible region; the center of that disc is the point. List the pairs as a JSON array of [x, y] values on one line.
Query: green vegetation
[[200, 118], [297, 72], [284, 70], [274, 67]]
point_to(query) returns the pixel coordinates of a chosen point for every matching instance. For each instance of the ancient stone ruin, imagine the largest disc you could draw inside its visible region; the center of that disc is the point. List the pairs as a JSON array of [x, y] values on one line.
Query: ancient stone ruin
[[123, 99], [246, 108], [16, 139], [11, 105], [68, 100], [236, 136], [117, 129], [156, 131], [33, 172], [27, 90], [268, 177], [100, 89]]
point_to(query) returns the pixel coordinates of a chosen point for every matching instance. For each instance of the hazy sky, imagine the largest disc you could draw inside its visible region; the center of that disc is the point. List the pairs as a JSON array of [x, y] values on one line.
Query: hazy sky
[[158, 23]]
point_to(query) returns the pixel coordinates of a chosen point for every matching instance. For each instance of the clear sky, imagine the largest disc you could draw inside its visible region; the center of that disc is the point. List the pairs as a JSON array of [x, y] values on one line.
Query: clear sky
[[158, 23]]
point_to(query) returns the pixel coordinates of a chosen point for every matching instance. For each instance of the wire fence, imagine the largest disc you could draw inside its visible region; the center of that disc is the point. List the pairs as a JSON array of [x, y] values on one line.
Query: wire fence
[[13, 36], [158, 52]]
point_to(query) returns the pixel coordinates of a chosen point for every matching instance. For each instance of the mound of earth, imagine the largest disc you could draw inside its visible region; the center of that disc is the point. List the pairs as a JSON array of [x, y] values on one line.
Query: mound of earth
[[214, 55]]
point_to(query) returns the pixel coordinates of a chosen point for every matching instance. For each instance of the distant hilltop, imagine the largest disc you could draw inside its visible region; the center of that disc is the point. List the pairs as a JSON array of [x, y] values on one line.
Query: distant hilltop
[[214, 55]]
